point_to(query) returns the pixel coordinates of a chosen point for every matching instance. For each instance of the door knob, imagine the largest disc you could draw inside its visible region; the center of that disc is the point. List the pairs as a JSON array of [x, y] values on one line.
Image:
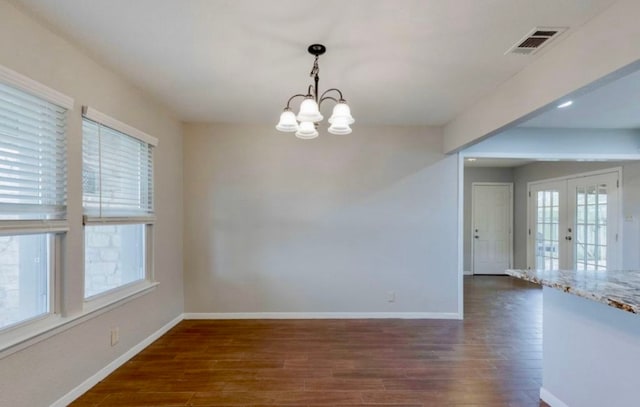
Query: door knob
[[477, 237], [567, 238]]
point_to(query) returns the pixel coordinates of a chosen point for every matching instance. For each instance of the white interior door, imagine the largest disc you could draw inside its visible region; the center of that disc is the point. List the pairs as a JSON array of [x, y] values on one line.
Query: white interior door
[[491, 227], [573, 223]]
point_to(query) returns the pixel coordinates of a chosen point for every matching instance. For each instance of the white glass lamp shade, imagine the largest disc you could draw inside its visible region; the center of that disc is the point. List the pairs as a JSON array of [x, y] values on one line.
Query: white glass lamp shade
[[287, 122], [340, 126], [309, 111], [341, 111], [306, 131]]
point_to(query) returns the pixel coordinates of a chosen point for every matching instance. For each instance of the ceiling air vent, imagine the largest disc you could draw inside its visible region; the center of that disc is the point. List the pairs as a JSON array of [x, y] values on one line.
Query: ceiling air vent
[[535, 39]]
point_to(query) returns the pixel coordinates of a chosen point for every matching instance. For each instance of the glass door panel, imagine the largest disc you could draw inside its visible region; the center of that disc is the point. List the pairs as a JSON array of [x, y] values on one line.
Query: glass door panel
[[594, 203], [547, 225], [546, 238]]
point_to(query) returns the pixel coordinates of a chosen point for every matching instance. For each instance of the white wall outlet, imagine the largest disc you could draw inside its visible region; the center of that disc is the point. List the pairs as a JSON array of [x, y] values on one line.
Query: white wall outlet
[[115, 336], [391, 296]]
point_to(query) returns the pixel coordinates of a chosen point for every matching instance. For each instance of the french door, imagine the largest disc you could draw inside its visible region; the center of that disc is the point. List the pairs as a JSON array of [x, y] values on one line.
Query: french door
[[573, 223]]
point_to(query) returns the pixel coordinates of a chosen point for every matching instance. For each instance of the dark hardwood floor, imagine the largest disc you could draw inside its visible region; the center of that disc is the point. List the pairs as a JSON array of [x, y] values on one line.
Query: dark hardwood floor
[[492, 358]]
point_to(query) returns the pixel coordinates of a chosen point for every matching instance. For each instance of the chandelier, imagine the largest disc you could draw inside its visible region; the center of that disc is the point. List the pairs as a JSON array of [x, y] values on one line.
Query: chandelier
[[305, 124]]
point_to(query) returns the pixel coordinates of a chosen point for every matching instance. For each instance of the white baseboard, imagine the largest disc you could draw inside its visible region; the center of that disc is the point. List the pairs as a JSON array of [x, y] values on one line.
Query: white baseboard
[[321, 315], [107, 370], [468, 273], [550, 399]]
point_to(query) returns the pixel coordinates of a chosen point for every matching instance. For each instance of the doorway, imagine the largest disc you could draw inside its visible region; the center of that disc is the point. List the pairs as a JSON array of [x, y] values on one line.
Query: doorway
[[574, 222], [492, 227]]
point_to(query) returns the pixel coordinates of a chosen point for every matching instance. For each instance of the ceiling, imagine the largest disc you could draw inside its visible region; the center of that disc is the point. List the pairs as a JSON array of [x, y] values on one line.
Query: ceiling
[[413, 62], [615, 105]]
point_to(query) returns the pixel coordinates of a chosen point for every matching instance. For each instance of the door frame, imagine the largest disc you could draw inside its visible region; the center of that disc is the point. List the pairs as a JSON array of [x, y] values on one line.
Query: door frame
[[620, 224], [473, 210]]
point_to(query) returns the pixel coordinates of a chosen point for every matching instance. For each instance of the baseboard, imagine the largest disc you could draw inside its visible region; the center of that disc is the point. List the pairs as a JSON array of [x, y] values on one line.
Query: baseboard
[[322, 315], [550, 399], [107, 370], [467, 273]]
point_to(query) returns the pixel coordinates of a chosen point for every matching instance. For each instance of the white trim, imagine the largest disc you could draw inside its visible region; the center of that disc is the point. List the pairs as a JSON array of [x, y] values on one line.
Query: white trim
[[99, 117], [26, 84], [28, 227], [322, 315], [118, 220], [550, 399], [111, 367], [116, 294], [460, 232], [545, 157], [20, 339], [473, 209], [617, 169]]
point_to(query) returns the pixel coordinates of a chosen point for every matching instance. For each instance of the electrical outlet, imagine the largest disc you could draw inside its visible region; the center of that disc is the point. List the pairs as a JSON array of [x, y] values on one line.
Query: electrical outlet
[[115, 336], [391, 296]]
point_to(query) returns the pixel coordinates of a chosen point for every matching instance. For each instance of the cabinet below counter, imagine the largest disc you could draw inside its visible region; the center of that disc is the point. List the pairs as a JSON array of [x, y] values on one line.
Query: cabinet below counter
[[590, 336]]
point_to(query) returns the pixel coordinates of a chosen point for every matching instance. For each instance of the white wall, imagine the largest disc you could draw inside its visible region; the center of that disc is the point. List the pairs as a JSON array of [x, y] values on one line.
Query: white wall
[[42, 373], [606, 43], [277, 224], [547, 170], [471, 175]]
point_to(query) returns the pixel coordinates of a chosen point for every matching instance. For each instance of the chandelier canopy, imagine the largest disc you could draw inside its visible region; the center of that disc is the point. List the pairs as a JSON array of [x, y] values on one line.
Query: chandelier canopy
[[305, 123]]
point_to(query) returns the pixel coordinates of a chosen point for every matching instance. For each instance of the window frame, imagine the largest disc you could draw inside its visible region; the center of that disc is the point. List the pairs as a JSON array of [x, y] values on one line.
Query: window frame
[[56, 229], [133, 288]]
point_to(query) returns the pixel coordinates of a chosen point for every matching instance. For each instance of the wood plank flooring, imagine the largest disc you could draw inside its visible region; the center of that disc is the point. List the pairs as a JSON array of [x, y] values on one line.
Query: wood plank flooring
[[492, 358]]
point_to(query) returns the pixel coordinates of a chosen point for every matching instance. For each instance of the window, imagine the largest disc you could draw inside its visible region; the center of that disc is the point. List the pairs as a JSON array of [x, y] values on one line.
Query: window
[[32, 196], [25, 292], [117, 179]]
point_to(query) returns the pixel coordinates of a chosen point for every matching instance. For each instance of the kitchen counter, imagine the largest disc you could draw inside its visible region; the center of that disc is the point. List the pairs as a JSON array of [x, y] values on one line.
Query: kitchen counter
[[619, 289]]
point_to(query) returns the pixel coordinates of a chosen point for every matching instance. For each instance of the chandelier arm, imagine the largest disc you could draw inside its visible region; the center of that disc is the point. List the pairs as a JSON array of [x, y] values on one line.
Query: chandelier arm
[[293, 97], [325, 98], [332, 89]]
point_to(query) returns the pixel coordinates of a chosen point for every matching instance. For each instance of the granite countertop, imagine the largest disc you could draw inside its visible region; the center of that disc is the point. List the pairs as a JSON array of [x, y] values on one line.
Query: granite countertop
[[616, 288]]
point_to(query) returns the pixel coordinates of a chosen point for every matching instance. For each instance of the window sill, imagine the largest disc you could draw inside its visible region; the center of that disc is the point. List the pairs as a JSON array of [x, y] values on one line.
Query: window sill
[[21, 337], [118, 296]]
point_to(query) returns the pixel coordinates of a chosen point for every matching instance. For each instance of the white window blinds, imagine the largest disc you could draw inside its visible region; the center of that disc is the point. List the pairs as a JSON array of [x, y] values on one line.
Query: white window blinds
[[32, 157], [117, 173]]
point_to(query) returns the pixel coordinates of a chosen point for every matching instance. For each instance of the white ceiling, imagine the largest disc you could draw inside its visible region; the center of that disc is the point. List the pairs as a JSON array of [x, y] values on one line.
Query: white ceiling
[[615, 105], [417, 62]]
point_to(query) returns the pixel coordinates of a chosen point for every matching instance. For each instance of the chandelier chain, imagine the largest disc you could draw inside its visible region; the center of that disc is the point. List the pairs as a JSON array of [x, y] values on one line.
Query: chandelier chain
[[315, 70]]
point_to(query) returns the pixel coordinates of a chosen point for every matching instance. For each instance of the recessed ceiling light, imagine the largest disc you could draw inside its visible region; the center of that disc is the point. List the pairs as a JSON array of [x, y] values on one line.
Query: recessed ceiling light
[[565, 104], [471, 159]]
